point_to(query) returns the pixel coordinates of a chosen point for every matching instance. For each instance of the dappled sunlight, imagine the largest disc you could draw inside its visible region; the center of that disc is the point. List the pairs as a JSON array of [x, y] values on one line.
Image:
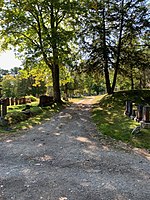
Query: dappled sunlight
[[41, 129], [120, 197], [105, 148], [66, 115], [142, 152], [92, 147], [27, 126], [9, 141], [47, 119], [83, 139], [46, 158], [89, 152], [57, 134], [84, 120], [40, 145], [43, 158], [26, 171], [85, 183], [109, 186], [63, 198], [79, 124]]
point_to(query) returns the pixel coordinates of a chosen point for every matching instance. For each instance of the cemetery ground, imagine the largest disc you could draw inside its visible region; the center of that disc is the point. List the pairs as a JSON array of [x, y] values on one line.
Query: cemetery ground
[[107, 113], [67, 158]]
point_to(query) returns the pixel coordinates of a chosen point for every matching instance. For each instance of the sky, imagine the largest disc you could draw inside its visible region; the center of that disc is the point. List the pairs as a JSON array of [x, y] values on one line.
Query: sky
[[8, 60]]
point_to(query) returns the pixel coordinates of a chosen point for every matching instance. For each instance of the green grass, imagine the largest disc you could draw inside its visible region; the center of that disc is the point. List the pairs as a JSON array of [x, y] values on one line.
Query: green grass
[[44, 114], [19, 122], [109, 116]]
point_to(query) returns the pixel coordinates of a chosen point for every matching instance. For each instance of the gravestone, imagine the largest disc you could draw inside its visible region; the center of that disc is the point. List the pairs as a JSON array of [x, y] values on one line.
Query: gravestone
[[133, 115], [22, 101], [46, 100], [12, 101], [145, 123], [16, 101], [128, 110], [146, 114], [7, 101], [139, 114]]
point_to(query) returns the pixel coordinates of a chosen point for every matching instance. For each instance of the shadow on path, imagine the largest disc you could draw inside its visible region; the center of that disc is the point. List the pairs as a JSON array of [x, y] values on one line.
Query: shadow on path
[[62, 159]]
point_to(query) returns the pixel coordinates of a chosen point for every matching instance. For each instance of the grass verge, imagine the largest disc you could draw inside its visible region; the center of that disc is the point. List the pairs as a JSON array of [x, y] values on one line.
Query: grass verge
[[18, 122], [109, 117]]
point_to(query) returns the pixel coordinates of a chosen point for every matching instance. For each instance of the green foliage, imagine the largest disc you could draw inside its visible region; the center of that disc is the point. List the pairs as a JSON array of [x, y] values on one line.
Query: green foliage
[[36, 110], [15, 117], [8, 86], [118, 99], [41, 31], [107, 30], [18, 120]]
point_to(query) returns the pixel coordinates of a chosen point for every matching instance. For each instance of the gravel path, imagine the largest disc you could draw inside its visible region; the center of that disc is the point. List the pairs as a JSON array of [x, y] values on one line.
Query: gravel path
[[63, 160]]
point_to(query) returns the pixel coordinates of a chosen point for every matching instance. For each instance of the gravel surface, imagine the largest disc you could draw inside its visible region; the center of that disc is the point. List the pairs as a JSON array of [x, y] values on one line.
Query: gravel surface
[[63, 159]]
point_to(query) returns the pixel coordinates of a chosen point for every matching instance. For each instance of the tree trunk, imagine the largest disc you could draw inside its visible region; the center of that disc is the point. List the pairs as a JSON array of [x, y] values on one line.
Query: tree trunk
[[132, 81], [55, 65], [144, 78], [56, 86], [118, 48], [105, 56]]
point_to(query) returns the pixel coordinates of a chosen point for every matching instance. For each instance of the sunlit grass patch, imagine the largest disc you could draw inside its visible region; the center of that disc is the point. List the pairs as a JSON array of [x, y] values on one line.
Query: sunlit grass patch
[[111, 121], [16, 120]]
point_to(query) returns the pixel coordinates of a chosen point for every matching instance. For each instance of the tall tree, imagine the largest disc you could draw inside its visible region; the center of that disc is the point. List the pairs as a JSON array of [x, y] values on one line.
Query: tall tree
[[40, 30], [104, 26]]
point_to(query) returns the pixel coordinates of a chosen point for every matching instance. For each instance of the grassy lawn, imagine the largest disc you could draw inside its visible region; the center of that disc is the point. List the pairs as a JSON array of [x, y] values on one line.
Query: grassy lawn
[[109, 117], [18, 122], [107, 113]]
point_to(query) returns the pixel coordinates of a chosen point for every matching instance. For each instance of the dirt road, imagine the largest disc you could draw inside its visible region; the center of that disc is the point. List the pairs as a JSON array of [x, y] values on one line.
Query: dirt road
[[63, 160]]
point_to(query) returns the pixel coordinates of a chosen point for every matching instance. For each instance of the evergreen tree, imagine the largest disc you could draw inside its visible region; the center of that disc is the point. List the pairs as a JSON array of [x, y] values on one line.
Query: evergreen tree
[[104, 27]]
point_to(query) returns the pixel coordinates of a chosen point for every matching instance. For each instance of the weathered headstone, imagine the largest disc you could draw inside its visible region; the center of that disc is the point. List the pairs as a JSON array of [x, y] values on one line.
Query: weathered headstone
[[16, 101], [145, 123], [12, 101], [139, 114], [133, 115], [7, 101], [128, 110], [146, 114], [46, 100], [22, 101]]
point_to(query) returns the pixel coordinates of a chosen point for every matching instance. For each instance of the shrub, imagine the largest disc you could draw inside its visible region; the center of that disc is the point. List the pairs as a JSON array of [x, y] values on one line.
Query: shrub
[[36, 110], [15, 117]]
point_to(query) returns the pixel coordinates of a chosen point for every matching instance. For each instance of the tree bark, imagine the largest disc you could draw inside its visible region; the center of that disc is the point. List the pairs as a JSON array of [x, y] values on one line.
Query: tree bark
[[118, 48], [56, 87], [105, 56], [55, 65], [132, 81]]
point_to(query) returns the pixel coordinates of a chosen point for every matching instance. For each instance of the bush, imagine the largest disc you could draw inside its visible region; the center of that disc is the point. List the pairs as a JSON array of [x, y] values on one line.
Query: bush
[[15, 117], [36, 110]]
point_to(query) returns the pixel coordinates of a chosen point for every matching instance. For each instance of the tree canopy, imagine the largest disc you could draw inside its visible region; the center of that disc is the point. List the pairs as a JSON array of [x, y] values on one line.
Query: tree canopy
[[110, 36]]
